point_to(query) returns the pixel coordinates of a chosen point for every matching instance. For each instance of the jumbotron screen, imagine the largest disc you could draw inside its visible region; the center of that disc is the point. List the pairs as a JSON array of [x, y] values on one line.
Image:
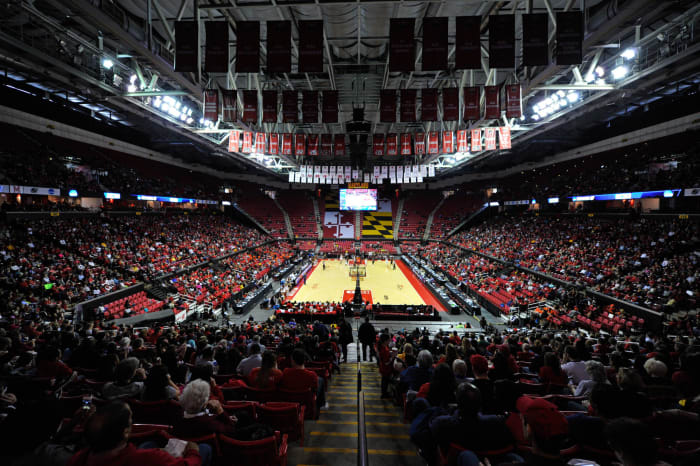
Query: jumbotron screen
[[358, 199]]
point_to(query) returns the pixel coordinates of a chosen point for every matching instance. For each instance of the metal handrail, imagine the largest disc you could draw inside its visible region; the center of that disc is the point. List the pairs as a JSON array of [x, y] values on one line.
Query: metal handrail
[[362, 453]]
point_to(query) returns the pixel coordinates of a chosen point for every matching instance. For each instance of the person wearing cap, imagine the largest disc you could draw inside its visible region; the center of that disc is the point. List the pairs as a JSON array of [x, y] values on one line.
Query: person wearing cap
[[546, 428]]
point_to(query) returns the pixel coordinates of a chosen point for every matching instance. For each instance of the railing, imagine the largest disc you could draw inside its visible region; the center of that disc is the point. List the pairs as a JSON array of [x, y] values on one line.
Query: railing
[[362, 453]]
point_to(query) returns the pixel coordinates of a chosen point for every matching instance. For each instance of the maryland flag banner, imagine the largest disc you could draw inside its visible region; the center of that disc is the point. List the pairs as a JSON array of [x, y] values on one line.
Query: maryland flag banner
[[337, 223], [378, 224]]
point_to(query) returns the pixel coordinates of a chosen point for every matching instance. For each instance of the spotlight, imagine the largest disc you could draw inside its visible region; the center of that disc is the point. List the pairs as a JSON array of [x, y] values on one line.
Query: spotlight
[[132, 79], [560, 93], [629, 53], [107, 64], [589, 78], [600, 71], [573, 97], [131, 88], [620, 72]]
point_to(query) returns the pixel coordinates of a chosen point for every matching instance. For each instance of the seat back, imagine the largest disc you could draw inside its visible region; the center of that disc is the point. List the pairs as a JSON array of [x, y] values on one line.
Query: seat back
[[252, 453], [249, 407], [305, 397], [156, 412], [261, 396], [282, 416], [158, 433]]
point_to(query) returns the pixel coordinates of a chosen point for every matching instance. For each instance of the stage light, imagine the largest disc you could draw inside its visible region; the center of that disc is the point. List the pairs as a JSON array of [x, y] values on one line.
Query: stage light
[[600, 71], [554, 97], [73, 193], [573, 97], [560, 93], [132, 79], [620, 72], [589, 78], [563, 103], [535, 117], [131, 88], [107, 64], [629, 53]]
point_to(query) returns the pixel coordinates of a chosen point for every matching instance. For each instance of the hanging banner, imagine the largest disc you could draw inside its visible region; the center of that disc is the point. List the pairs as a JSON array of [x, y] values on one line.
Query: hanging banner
[[211, 105], [504, 137], [468, 43], [429, 105], [233, 138], [513, 103], [299, 144], [290, 107], [419, 142], [392, 143], [279, 46], [492, 102], [408, 105], [286, 144], [501, 41], [489, 138], [230, 113], [309, 106], [313, 145], [378, 145], [260, 143], [274, 144], [402, 47], [462, 141], [472, 104], [433, 143], [447, 142], [387, 105], [339, 145], [250, 107], [569, 50], [450, 104], [535, 39], [405, 144], [329, 106], [311, 46], [247, 142], [476, 140], [435, 43], [247, 46], [269, 104], [186, 46], [326, 145]]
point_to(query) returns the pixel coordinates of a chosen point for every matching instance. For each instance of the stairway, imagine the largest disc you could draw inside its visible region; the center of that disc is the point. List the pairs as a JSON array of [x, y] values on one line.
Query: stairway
[[332, 439], [287, 222], [429, 223], [317, 216], [397, 220]]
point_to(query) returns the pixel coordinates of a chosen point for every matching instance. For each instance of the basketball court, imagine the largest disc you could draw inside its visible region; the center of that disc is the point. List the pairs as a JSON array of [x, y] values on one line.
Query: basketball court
[[382, 284]]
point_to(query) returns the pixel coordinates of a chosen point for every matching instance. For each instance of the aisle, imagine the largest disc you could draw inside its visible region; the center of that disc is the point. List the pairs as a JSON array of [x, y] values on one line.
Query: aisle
[[332, 440]]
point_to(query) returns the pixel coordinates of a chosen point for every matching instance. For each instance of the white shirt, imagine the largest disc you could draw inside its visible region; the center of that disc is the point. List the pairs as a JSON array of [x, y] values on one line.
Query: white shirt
[[576, 371], [249, 363]]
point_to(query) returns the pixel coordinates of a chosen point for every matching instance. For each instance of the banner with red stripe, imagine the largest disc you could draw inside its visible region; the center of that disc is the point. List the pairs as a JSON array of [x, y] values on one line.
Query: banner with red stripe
[[476, 139], [230, 113], [405, 144], [260, 143], [450, 104], [211, 105], [504, 137], [378, 145], [274, 144], [290, 107], [492, 102], [489, 138], [472, 104], [269, 103], [462, 141], [287, 144], [339, 145], [233, 138], [429, 105], [447, 142], [392, 144], [408, 105], [247, 142], [433, 143], [326, 145], [299, 144], [250, 107], [313, 145], [419, 143]]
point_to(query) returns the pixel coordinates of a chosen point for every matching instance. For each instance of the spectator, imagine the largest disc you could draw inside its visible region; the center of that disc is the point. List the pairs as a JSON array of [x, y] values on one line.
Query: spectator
[[386, 366], [414, 376], [480, 368], [201, 416], [546, 427], [253, 360], [159, 386], [299, 378], [367, 335], [551, 373], [460, 370], [574, 368], [267, 376], [632, 442], [596, 374], [128, 383]]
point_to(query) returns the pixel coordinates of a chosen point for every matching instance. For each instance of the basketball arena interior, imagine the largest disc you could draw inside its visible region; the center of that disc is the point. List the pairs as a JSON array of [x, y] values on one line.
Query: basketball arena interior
[[328, 232]]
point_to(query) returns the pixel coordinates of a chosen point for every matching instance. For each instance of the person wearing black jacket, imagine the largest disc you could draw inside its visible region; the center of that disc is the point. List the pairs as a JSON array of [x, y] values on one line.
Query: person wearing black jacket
[[368, 336], [345, 338]]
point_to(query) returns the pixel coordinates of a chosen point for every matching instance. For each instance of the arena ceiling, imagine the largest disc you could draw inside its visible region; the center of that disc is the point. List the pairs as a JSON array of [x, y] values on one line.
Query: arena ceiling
[[56, 49]]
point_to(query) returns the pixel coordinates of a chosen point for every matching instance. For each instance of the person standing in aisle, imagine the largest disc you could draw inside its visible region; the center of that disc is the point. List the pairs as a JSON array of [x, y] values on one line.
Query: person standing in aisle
[[345, 334], [368, 336]]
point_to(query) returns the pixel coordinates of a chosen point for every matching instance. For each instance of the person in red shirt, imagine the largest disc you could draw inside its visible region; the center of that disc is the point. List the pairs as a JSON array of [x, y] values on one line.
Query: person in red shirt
[[107, 435], [386, 366], [267, 376], [299, 378], [48, 364]]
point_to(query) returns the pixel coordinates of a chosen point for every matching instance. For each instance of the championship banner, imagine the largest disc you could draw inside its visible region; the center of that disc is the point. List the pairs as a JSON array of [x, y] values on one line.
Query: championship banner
[[569, 50], [250, 107], [299, 144], [309, 106], [339, 145], [405, 144], [269, 104], [329, 106], [216, 50], [211, 105], [311, 46], [387, 105], [313, 145], [247, 46], [408, 105], [378, 145], [247, 142], [468, 43], [447, 142], [260, 143], [290, 107], [186, 46], [535, 39], [402, 47], [513, 103], [462, 141], [233, 137], [472, 104], [286, 144], [274, 144], [489, 138], [279, 46], [492, 102], [419, 142], [476, 140], [501, 41], [434, 43], [450, 104], [326, 145], [504, 137], [392, 144], [429, 105], [433, 143], [229, 105]]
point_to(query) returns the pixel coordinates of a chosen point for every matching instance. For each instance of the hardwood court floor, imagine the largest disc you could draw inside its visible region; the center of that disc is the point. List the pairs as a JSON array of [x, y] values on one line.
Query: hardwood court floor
[[388, 286]]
